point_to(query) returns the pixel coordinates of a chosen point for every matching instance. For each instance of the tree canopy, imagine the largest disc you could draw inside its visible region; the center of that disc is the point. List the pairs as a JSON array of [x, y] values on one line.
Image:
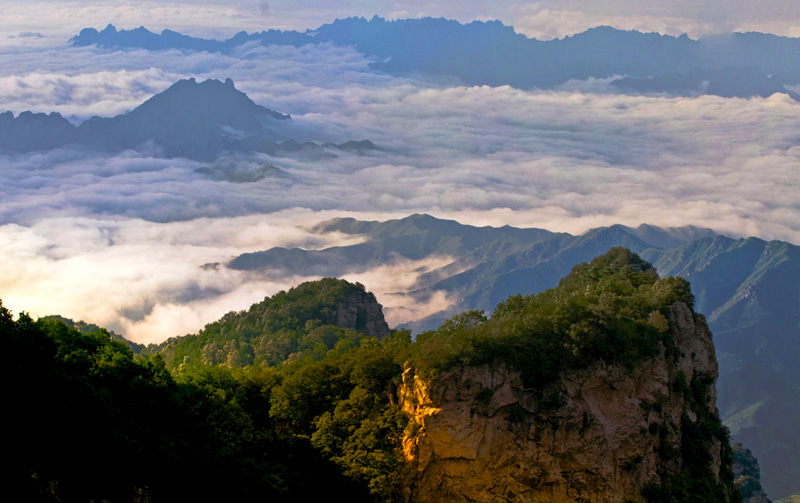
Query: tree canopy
[[263, 401]]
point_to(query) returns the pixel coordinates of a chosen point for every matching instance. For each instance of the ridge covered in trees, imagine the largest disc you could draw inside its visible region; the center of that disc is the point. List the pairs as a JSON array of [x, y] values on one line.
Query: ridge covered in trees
[[94, 421], [311, 318]]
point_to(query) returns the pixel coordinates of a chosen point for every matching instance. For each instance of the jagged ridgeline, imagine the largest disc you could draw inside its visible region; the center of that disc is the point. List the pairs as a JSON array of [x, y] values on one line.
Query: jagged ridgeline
[[601, 390]]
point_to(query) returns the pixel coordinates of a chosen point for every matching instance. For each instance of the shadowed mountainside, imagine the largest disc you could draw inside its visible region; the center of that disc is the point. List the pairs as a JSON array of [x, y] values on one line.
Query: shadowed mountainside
[[199, 121]]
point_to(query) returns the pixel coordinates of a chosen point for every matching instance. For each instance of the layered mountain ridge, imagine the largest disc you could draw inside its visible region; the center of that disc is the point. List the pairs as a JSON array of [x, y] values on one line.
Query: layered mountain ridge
[[747, 286], [195, 120], [601, 389], [490, 53]]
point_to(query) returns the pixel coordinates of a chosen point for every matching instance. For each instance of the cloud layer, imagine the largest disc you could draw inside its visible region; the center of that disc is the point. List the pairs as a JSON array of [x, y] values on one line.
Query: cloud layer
[[123, 240]]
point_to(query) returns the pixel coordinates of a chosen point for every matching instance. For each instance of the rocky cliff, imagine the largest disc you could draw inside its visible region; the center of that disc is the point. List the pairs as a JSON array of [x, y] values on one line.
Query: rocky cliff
[[747, 475], [603, 434], [361, 311]]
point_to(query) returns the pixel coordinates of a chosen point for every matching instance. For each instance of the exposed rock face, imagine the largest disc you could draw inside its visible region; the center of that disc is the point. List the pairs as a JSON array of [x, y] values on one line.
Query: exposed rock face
[[362, 312], [598, 435], [747, 475]]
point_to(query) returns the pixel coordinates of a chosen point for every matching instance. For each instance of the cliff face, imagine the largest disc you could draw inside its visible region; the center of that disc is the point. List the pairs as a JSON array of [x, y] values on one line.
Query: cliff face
[[362, 312], [599, 435], [747, 475]]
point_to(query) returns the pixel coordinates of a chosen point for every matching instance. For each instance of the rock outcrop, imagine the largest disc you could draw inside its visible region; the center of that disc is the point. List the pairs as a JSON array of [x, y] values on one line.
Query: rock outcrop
[[362, 312], [603, 434], [747, 475]]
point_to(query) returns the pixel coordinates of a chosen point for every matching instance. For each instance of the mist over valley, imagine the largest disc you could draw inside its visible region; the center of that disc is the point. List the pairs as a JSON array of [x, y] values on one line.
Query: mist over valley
[[159, 184]]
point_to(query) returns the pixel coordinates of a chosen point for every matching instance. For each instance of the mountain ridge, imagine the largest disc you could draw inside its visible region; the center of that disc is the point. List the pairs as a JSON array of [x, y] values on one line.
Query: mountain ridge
[[602, 387], [491, 53], [201, 121], [748, 287]]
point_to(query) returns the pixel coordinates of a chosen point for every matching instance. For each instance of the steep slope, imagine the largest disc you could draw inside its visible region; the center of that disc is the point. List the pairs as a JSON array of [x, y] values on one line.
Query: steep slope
[[748, 287], [200, 121], [599, 390], [747, 475], [189, 119]]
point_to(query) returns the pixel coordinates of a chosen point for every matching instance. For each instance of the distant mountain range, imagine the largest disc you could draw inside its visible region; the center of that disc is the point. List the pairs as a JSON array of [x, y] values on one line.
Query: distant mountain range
[[490, 53], [748, 288], [199, 121]]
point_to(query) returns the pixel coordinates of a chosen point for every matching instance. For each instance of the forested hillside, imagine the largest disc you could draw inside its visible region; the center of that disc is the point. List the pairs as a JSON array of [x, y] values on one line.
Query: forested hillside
[[311, 318], [747, 287], [95, 422]]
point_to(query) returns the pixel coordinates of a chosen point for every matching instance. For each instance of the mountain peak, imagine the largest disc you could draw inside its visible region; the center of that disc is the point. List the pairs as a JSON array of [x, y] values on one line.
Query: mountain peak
[[211, 98], [495, 376], [189, 119]]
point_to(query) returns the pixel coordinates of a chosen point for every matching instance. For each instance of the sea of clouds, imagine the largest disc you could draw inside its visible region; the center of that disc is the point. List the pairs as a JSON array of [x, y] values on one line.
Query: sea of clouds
[[126, 240]]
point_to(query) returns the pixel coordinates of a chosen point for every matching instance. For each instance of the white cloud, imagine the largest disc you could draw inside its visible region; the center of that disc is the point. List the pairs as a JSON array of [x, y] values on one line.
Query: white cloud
[[547, 19], [120, 240], [123, 273], [83, 95]]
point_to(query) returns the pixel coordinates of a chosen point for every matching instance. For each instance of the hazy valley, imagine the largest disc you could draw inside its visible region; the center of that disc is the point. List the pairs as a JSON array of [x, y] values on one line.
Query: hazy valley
[[453, 175]]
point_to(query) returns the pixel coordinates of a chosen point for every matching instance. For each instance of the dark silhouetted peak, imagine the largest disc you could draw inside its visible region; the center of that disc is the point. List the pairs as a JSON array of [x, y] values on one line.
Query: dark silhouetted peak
[[111, 37], [357, 147], [490, 53], [189, 119], [208, 101], [142, 38], [34, 131]]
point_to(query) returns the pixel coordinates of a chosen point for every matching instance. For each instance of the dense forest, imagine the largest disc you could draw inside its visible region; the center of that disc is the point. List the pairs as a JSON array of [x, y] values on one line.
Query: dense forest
[[281, 403], [94, 421]]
